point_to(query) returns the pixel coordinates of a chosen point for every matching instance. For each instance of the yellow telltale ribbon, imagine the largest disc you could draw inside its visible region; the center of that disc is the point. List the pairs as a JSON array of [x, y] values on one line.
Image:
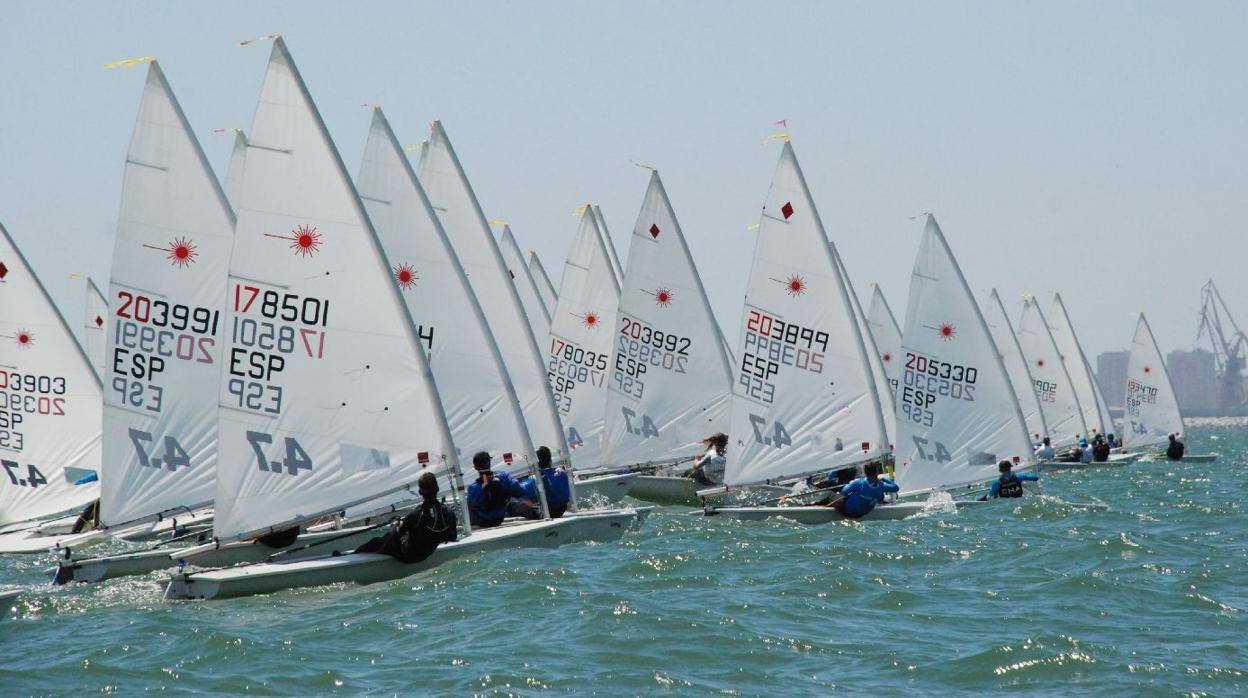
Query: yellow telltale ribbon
[[129, 62]]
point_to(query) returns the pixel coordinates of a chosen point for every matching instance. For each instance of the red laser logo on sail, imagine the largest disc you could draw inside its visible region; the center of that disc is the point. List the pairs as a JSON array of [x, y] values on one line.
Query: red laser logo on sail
[[794, 285], [406, 275], [304, 240], [663, 297], [24, 339], [1147, 369], [181, 252], [888, 358], [947, 332], [589, 319]]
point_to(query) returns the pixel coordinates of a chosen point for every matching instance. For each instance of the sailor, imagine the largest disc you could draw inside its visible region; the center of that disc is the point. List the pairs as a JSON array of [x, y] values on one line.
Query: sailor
[[1100, 450], [1085, 451], [554, 481], [1009, 485], [709, 470], [418, 534], [1114, 442], [489, 494], [1176, 448], [1046, 452], [88, 519], [859, 497]]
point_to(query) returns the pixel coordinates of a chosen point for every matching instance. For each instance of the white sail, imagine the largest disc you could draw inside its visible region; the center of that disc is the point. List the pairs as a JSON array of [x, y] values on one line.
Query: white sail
[[234, 171], [1016, 365], [452, 198], [1151, 410], [544, 287], [804, 398], [326, 399], [887, 336], [1062, 414], [94, 327], [1102, 407], [957, 416], [477, 394], [171, 259], [582, 333], [49, 400], [1076, 365], [882, 387], [526, 287], [608, 245], [670, 378]]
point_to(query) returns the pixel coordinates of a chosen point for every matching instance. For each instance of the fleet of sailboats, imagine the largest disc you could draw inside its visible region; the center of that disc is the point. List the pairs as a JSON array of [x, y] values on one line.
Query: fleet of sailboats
[[283, 352]]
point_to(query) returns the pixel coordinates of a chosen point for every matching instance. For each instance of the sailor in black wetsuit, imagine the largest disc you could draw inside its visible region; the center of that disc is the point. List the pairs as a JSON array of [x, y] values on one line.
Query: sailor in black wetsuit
[[1176, 448], [420, 532]]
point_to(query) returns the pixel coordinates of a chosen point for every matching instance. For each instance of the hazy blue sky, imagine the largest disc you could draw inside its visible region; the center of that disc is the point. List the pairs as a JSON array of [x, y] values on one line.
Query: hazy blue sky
[[1093, 148]]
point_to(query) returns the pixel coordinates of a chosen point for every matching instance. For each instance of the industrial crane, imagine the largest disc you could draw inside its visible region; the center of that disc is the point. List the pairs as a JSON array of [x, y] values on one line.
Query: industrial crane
[[1228, 343]]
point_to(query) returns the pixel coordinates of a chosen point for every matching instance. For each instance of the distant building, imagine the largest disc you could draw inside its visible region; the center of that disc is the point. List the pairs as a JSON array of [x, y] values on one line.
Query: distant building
[[1194, 375], [1111, 376]]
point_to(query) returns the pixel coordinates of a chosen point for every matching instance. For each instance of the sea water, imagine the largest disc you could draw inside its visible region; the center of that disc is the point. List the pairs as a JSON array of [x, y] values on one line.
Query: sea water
[[1147, 598]]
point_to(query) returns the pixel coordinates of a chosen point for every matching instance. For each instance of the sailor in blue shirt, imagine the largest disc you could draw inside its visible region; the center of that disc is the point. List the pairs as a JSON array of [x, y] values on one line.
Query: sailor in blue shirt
[[489, 493], [1009, 485], [861, 495], [554, 481]]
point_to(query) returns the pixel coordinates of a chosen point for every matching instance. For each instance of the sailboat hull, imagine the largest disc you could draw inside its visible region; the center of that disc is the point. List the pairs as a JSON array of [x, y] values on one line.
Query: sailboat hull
[[814, 515], [608, 489], [666, 490], [602, 526], [34, 541]]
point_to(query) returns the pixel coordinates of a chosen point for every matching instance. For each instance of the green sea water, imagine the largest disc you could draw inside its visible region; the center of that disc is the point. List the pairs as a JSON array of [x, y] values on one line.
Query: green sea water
[[1148, 598]]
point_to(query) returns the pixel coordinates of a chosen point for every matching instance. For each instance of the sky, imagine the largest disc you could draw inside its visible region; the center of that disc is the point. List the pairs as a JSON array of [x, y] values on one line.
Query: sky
[[1093, 149]]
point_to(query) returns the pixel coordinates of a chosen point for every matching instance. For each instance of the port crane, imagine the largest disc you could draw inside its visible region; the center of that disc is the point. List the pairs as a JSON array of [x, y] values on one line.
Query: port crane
[[1228, 343]]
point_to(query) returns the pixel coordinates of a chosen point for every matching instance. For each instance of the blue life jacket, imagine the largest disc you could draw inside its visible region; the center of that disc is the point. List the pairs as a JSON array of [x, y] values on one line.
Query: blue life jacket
[[558, 490]]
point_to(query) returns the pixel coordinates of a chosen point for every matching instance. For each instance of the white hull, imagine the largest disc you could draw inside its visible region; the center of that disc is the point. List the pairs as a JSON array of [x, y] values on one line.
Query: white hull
[[1201, 458], [813, 515], [10, 595], [666, 490], [370, 568], [39, 540], [604, 489]]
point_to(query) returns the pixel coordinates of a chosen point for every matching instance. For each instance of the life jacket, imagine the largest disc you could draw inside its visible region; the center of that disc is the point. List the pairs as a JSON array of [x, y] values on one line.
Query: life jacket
[[494, 494], [1011, 488]]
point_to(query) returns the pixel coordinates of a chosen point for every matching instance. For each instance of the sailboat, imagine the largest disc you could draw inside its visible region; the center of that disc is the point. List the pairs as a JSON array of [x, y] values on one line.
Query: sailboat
[[530, 296], [452, 197], [957, 413], [170, 262], [49, 415], [1076, 363], [343, 412], [874, 355], [1063, 415], [544, 287], [1150, 407], [1102, 407], [94, 327], [805, 399], [887, 336], [582, 335], [670, 376], [998, 322]]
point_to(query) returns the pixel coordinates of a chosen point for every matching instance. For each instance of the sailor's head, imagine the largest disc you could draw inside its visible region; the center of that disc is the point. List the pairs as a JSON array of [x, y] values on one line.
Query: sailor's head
[[543, 457], [718, 440], [481, 461], [1046, 441], [872, 470], [1083, 441], [1005, 466], [427, 484], [1172, 437]]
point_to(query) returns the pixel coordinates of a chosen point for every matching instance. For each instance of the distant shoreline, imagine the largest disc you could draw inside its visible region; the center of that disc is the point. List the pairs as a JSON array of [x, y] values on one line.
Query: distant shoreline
[[1216, 421]]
